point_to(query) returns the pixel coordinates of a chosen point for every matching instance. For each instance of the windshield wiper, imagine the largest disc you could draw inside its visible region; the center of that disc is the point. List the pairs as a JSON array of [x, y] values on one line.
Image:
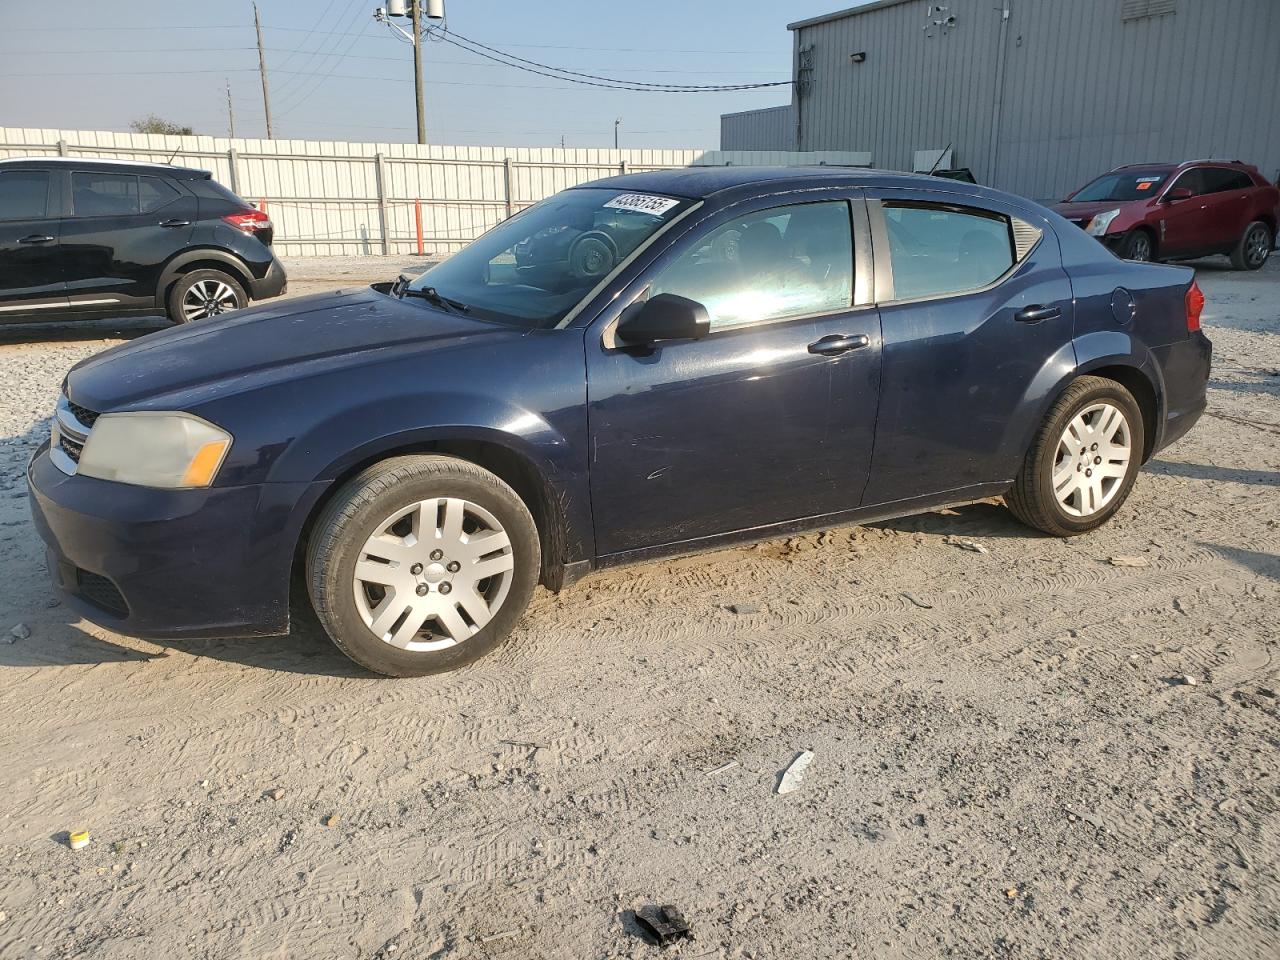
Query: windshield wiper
[[401, 289]]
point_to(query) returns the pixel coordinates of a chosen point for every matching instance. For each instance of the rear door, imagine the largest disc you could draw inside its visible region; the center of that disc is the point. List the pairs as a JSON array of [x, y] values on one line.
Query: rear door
[[122, 229], [31, 278], [1229, 193], [768, 418], [975, 306]]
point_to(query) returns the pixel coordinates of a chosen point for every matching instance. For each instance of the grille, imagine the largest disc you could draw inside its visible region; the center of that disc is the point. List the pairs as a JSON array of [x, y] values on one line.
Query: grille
[[70, 447], [83, 414], [101, 592]]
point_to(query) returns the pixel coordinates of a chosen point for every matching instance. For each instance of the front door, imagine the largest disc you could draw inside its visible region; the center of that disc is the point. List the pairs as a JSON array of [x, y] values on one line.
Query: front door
[[976, 308], [30, 270], [1186, 225], [771, 416], [122, 230]]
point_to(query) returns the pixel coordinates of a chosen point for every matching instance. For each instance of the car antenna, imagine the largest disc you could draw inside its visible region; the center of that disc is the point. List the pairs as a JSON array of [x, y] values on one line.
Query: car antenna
[[934, 168], [174, 154]]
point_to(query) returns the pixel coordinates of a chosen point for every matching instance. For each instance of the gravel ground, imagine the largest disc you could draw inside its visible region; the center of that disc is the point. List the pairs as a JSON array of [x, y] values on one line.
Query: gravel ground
[[1025, 752]]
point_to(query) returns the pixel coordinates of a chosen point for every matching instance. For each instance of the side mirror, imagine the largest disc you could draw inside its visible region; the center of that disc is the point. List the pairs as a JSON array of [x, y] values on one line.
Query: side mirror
[[1179, 193], [664, 317]]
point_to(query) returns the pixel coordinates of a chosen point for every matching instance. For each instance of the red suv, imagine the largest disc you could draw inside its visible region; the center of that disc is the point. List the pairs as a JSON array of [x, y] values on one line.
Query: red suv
[[1161, 211]]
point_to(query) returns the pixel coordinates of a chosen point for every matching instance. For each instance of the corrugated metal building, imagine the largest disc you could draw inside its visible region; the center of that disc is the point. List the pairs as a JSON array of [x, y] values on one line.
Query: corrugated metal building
[[1035, 96]]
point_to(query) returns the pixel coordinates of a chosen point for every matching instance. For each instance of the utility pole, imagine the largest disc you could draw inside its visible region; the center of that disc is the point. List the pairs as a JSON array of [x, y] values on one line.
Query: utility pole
[[262, 71], [231, 112], [615, 132], [415, 16]]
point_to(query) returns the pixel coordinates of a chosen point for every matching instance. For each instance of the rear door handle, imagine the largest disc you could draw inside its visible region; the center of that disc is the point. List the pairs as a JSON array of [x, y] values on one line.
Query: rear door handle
[[36, 238], [1035, 313], [176, 223], [838, 343]]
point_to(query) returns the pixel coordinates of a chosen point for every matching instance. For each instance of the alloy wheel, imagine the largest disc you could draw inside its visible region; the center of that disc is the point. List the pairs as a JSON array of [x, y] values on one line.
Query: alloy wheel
[[1141, 250], [208, 298], [1257, 246], [433, 574], [1092, 460]]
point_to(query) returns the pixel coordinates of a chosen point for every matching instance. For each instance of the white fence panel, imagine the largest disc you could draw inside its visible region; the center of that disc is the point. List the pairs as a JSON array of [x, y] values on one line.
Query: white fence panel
[[341, 197]]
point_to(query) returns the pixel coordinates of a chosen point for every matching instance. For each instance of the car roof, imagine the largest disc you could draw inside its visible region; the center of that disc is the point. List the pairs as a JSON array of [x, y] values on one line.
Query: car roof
[[93, 163], [698, 183]]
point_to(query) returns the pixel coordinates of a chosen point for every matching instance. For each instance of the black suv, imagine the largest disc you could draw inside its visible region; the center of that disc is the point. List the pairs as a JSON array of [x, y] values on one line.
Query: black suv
[[82, 239]]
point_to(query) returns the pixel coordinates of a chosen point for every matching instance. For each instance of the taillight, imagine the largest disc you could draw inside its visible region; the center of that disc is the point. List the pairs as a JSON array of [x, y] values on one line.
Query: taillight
[[1195, 306], [249, 221]]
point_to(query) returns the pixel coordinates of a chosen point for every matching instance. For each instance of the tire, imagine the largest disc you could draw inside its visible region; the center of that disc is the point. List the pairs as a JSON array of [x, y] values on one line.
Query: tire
[[1033, 499], [1254, 247], [1138, 246], [221, 292], [592, 256], [422, 491]]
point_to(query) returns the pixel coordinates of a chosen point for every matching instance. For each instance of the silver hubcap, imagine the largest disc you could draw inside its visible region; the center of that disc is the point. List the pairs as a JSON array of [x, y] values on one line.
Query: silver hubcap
[[433, 574], [1258, 245], [208, 298], [1093, 458]]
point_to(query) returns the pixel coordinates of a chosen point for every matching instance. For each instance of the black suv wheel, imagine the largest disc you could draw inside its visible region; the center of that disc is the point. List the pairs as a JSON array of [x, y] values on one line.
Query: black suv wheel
[[205, 293]]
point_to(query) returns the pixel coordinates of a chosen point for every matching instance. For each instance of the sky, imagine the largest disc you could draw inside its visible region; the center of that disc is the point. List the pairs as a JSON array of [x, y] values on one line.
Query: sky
[[336, 74]]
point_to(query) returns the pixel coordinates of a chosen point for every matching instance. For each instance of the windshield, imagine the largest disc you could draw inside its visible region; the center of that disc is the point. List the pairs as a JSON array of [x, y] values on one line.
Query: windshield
[[1127, 185], [533, 269]]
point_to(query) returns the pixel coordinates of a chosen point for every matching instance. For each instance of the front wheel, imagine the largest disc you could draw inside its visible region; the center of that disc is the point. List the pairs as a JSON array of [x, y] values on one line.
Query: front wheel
[[1137, 246], [1254, 247], [422, 564], [205, 293], [1083, 461]]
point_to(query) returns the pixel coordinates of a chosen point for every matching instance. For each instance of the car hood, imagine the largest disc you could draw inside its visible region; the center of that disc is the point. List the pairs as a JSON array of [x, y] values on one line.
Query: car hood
[[1084, 212], [243, 349]]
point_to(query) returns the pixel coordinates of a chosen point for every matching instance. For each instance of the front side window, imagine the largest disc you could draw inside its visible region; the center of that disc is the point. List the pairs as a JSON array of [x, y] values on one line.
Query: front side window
[[24, 195], [1192, 180], [782, 262], [937, 250], [535, 268], [104, 194]]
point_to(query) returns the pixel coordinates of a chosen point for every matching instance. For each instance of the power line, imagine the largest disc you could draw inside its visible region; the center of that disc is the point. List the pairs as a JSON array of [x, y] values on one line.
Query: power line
[[591, 79]]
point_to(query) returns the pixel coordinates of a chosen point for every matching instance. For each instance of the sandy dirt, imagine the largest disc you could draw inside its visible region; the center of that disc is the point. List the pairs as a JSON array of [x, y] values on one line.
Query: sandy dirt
[[1010, 759]]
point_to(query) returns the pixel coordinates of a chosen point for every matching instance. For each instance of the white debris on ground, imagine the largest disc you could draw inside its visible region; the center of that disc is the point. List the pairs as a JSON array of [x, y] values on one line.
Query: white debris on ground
[[976, 717]]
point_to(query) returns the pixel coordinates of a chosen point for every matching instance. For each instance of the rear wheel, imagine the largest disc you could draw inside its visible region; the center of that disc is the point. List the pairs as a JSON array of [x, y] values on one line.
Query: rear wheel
[[1083, 461], [422, 564], [1138, 246], [1254, 247], [205, 293]]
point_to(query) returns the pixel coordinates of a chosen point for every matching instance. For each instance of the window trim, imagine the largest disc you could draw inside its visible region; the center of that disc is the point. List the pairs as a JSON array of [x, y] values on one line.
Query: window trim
[[50, 211], [71, 195], [885, 290], [860, 234]]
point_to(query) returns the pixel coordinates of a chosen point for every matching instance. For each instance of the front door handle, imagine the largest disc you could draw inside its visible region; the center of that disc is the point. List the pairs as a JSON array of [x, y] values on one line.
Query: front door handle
[[36, 238], [176, 223], [1035, 313], [838, 343]]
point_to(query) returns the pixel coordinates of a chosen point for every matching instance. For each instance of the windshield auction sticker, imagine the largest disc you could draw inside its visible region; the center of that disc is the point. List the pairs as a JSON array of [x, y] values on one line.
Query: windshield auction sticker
[[642, 203]]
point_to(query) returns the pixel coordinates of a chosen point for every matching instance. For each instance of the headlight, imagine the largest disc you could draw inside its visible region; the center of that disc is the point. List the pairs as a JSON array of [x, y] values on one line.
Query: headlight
[[1099, 224], [171, 450]]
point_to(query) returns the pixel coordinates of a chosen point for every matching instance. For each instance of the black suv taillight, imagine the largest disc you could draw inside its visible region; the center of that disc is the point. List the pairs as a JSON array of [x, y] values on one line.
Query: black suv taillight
[[251, 222]]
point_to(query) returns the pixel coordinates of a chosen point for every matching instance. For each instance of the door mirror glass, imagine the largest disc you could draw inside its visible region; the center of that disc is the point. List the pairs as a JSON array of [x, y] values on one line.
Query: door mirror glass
[[663, 317]]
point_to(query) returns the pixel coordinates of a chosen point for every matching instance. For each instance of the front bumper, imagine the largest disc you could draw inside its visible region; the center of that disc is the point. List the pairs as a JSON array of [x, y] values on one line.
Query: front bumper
[[274, 283], [169, 564]]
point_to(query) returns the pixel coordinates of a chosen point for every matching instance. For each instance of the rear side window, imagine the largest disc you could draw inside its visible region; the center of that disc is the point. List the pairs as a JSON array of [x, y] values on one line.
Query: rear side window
[[24, 195], [1222, 180], [937, 250], [782, 262], [104, 194], [154, 193]]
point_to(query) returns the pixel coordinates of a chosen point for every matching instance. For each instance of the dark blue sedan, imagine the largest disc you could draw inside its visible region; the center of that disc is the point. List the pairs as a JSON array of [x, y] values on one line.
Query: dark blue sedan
[[641, 366]]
